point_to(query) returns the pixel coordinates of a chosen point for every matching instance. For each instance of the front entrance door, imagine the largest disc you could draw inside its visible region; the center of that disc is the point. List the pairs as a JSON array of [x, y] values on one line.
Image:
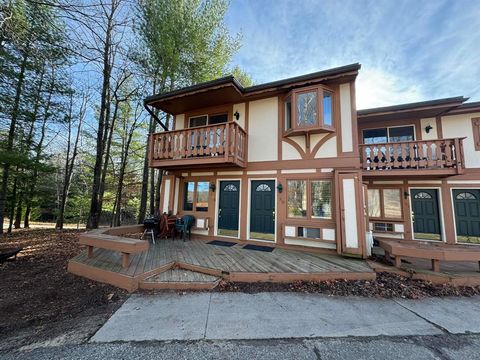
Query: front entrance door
[[262, 210], [425, 214], [467, 215], [228, 208]]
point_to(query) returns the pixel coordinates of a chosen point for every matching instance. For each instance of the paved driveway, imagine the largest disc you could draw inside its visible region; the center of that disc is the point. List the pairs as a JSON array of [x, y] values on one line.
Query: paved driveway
[[230, 316]]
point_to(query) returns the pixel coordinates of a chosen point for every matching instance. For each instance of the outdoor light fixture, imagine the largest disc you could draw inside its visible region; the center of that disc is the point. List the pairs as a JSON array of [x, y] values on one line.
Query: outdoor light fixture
[[237, 115], [428, 128], [280, 188], [212, 187], [406, 194]]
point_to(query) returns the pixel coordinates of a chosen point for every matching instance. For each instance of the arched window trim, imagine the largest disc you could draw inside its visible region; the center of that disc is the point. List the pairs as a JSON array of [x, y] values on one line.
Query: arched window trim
[[263, 187]]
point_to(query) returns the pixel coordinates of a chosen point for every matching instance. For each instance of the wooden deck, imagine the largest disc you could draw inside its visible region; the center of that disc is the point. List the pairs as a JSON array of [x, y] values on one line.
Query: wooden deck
[[230, 263]]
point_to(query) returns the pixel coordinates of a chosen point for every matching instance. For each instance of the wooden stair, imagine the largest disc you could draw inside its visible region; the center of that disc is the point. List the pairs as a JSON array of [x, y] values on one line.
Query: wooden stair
[[180, 279]]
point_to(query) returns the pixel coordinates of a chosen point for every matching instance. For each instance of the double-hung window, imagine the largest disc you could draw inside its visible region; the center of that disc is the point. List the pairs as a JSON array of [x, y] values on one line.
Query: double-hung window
[[309, 199], [308, 110], [385, 204], [195, 196]]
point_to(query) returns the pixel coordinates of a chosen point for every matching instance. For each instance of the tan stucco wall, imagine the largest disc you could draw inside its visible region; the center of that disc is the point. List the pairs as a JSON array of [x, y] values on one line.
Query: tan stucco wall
[[346, 118], [241, 110], [461, 126], [179, 121], [289, 152], [328, 149], [263, 130], [433, 134]]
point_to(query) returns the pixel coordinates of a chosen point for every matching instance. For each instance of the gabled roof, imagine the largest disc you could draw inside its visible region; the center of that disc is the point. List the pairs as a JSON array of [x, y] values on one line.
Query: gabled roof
[[423, 109], [227, 90]]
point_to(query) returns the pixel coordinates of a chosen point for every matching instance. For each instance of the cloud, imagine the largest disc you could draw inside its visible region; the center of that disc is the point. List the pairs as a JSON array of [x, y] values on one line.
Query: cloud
[[375, 87], [409, 50]]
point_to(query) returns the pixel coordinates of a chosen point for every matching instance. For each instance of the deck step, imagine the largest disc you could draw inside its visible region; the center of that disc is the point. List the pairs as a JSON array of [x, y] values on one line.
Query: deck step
[[180, 279]]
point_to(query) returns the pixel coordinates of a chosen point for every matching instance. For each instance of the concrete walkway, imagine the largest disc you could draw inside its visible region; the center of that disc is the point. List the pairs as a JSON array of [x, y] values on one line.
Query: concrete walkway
[[229, 316]]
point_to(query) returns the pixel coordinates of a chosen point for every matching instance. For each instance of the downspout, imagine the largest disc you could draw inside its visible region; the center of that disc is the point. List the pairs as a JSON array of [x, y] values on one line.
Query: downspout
[[155, 116]]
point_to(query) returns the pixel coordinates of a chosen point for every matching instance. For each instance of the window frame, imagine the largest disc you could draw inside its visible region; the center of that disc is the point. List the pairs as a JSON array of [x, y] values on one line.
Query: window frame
[[319, 123], [382, 205], [195, 196], [308, 188], [388, 132]]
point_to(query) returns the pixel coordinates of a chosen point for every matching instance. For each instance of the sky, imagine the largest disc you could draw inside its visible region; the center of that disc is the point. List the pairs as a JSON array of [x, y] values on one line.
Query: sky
[[409, 50]]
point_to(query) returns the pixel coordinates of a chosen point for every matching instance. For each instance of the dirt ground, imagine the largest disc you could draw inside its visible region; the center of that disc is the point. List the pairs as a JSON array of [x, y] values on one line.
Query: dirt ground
[[40, 301]]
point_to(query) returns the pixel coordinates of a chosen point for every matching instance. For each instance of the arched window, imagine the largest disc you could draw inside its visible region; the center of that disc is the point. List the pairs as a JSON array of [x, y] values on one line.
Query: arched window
[[423, 195], [466, 196], [263, 187], [230, 187]]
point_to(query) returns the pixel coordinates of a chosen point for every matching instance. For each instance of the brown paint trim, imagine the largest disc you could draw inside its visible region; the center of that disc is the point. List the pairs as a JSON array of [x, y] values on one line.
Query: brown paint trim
[[322, 141], [438, 122], [476, 133], [295, 145]]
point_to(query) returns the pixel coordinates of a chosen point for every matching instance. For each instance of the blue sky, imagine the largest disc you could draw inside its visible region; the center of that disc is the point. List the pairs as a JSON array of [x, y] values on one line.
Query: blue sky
[[409, 50]]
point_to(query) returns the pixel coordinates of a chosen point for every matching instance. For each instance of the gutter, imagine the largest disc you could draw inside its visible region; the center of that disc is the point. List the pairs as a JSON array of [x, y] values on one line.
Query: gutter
[[154, 116]]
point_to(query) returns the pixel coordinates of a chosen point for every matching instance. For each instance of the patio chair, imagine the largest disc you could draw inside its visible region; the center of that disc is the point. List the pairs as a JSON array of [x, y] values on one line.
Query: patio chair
[[184, 225]]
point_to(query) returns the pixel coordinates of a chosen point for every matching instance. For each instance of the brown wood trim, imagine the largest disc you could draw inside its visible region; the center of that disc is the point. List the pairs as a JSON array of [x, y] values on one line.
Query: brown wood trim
[[317, 146], [476, 133], [296, 146], [438, 121]]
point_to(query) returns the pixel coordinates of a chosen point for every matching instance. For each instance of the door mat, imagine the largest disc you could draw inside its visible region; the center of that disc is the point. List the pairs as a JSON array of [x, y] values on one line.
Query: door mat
[[221, 243], [259, 248]]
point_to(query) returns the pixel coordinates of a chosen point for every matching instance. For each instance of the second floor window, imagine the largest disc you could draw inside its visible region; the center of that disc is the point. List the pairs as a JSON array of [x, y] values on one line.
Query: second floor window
[[389, 134], [308, 109], [203, 120]]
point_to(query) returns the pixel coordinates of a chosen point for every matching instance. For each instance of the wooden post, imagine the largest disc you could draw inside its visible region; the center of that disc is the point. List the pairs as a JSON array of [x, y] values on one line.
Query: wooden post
[[125, 259], [435, 265], [89, 251], [398, 261]]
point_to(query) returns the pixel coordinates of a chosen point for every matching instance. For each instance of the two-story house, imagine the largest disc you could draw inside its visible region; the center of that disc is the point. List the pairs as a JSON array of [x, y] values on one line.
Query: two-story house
[[292, 163]]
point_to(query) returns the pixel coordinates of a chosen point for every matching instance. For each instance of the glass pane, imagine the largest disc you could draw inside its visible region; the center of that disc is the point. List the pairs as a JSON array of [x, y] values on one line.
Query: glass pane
[[202, 196], [403, 133], [321, 199], [297, 198], [198, 121], [392, 203], [311, 233], [374, 203], [288, 113], [374, 136], [188, 196], [327, 109], [218, 119], [263, 187], [307, 109]]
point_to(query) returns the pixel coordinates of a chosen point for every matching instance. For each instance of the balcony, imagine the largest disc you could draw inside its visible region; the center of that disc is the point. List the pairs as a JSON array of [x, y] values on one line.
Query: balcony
[[443, 157], [205, 146]]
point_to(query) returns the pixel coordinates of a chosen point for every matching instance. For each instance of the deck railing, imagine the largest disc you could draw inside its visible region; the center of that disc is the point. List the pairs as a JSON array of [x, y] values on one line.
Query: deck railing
[[421, 154], [225, 142]]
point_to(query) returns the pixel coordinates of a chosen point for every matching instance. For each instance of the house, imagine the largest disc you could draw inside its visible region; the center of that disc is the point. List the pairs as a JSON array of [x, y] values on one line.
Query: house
[[293, 164]]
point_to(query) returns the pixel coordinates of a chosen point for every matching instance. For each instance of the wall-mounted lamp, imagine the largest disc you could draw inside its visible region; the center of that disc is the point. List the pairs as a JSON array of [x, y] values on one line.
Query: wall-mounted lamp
[[428, 128], [280, 188], [212, 187], [237, 115], [406, 194]]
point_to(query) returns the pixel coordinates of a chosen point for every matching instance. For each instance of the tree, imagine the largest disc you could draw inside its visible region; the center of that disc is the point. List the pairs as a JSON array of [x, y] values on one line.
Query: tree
[[180, 42]]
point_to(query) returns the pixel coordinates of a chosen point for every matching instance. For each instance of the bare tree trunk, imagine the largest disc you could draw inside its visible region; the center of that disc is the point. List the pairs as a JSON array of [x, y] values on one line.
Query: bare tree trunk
[[18, 214], [157, 191], [95, 209], [12, 206], [11, 135]]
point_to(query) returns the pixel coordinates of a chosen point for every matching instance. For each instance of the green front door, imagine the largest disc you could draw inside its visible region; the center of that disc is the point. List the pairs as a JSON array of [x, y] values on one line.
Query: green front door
[[262, 210], [228, 208], [467, 215], [426, 219]]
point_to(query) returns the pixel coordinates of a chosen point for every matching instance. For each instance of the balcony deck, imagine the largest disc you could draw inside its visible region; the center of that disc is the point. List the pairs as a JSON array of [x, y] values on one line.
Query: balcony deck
[[204, 146], [442, 157]]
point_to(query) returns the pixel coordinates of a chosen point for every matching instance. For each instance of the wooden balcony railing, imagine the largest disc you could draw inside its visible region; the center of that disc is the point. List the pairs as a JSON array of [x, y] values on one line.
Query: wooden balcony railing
[[205, 145], [443, 156]]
